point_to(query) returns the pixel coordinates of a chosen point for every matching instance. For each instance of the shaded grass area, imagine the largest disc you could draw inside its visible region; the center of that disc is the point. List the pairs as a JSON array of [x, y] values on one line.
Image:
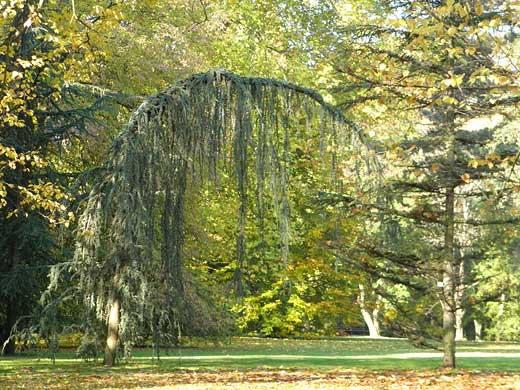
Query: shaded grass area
[[248, 355]]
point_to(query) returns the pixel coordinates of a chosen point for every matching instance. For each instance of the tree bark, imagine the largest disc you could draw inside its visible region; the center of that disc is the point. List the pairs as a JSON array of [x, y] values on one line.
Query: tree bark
[[448, 327], [113, 331]]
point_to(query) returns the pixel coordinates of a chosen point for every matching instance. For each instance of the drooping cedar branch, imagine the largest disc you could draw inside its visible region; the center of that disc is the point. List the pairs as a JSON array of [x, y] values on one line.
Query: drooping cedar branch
[[131, 231]]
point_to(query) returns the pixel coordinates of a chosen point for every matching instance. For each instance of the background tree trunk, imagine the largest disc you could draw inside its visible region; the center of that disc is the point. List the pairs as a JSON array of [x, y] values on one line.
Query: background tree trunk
[[459, 325], [11, 307], [8, 348], [460, 310], [369, 316], [478, 330], [500, 316]]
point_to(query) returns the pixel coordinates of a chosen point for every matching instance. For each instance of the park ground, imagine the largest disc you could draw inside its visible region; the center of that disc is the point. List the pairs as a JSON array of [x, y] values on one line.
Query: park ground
[[253, 363]]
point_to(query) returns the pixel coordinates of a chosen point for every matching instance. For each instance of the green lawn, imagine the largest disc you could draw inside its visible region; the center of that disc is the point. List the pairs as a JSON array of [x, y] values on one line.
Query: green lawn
[[31, 370]]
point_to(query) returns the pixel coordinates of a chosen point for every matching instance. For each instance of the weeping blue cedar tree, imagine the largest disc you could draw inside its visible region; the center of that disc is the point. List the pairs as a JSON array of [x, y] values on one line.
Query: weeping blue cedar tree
[[128, 257]]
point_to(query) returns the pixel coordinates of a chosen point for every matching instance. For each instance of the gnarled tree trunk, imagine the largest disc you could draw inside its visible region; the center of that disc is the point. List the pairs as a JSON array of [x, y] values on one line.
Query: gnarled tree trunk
[[114, 318]]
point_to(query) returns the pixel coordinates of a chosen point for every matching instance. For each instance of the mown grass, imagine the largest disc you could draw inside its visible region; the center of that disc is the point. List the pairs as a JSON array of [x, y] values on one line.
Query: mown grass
[[254, 363], [253, 353]]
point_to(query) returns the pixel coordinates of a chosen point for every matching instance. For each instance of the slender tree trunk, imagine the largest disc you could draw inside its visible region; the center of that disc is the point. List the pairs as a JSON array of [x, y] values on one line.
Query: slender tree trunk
[[500, 315], [369, 316], [460, 290], [449, 266], [478, 330], [448, 299], [113, 331]]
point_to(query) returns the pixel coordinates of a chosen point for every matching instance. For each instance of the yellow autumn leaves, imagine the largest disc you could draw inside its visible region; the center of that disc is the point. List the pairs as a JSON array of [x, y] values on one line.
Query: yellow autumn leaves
[[39, 195]]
